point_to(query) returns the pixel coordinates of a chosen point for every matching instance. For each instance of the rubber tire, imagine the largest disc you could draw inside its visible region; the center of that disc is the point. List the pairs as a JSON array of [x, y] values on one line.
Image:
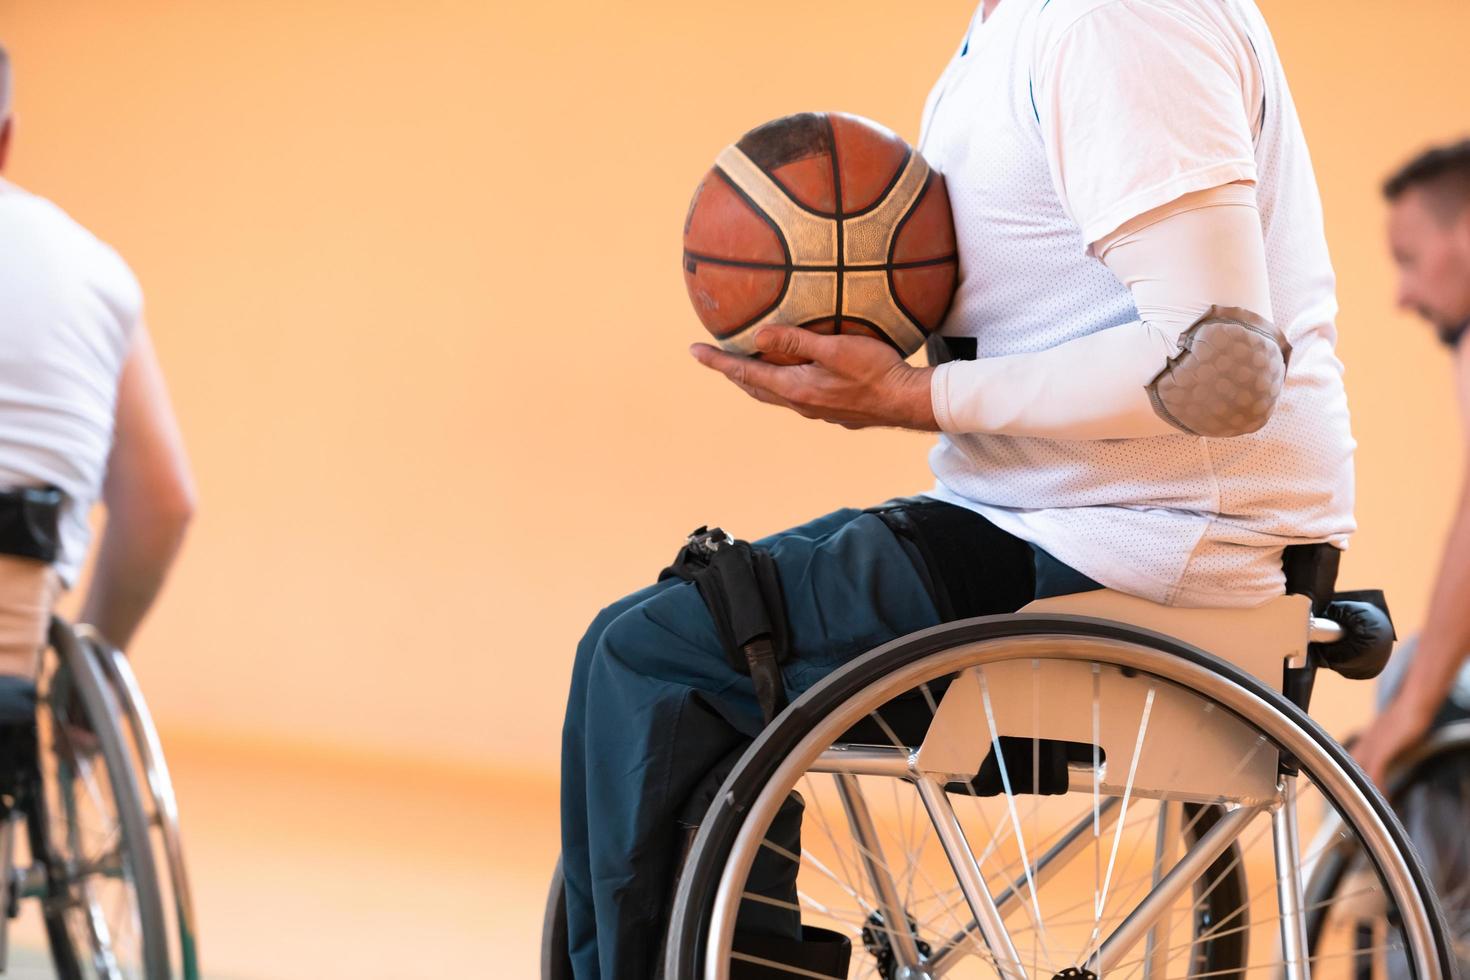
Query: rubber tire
[[135, 719], [556, 961]]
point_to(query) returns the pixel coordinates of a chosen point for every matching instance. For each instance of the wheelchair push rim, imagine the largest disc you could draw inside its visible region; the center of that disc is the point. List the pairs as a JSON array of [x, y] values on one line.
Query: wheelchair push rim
[[734, 832], [88, 830], [152, 775]]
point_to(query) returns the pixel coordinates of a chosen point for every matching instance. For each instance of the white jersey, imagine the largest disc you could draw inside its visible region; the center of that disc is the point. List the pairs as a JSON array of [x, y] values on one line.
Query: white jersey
[[68, 306], [1056, 122]]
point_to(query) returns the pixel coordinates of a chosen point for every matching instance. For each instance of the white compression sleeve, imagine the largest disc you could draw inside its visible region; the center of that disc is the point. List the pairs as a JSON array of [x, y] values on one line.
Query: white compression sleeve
[[1204, 249]]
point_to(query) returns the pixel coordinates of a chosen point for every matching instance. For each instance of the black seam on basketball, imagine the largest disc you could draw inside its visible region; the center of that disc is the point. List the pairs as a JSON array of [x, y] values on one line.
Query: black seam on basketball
[[787, 191], [893, 266], [789, 267], [780, 235], [893, 247], [882, 334], [785, 287], [837, 214], [892, 183], [904, 218]]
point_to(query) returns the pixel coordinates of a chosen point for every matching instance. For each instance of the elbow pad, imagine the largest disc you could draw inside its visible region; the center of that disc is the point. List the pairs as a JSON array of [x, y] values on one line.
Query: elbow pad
[[1227, 376]]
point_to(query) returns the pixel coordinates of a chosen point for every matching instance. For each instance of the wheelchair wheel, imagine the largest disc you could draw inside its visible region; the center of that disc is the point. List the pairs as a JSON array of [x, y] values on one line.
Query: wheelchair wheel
[[1035, 795], [556, 963], [87, 828], [1430, 792], [152, 776]]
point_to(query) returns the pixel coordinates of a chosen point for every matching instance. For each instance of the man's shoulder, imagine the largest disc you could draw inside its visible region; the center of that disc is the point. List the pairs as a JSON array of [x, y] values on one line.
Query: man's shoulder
[[1056, 17], [32, 219], [40, 215]]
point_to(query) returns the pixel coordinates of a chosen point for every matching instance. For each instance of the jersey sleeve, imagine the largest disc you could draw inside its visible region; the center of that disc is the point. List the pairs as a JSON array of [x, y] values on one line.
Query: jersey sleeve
[[1138, 105], [119, 291]]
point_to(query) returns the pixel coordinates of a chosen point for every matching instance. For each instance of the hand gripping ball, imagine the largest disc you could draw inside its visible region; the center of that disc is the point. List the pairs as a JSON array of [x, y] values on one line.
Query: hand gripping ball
[[825, 221]]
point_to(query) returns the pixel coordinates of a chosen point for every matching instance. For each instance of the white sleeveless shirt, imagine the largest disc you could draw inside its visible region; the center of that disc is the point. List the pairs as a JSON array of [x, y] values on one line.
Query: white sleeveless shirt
[[68, 306], [1056, 122]]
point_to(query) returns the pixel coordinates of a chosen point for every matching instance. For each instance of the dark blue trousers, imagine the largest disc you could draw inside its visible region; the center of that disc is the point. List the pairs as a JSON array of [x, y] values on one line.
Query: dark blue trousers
[[655, 706]]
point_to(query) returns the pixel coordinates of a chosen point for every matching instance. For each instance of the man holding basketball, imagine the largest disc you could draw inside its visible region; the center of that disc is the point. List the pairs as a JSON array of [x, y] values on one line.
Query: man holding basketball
[[1142, 256]]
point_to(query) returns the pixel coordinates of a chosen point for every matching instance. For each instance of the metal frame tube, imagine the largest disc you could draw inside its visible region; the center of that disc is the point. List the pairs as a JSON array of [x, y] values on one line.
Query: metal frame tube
[[1285, 838], [1057, 857], [1181, 876], [9, 886], [972, 882], [865, 760], [1166, 843], [890, 906]]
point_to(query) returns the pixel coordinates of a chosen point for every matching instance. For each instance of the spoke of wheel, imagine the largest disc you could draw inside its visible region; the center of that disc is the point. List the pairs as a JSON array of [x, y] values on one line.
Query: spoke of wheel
[[1053, 860], [1184, 873], [967, 872], [1189, 943], [1271, 887], [895, 921], [781, 967], [866, 907], [1102, 901], [837, 851], [1035, 772], [1005, 781], [1165, 839], [1096, 793]]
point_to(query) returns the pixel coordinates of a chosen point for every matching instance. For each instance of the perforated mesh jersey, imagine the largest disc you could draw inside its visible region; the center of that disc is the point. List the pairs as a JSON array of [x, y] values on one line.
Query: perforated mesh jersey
[[825, 221]]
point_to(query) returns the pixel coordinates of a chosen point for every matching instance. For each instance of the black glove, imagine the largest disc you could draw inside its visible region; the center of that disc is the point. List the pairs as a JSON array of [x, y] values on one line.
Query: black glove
[[1367, 640]]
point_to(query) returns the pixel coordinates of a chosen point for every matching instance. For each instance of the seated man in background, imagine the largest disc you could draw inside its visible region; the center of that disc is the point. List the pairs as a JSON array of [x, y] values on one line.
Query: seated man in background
[[1429, 233], [83, 415]]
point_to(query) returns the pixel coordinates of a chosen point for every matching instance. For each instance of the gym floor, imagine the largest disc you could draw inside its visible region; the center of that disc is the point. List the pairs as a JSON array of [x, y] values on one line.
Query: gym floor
[[313, 866]]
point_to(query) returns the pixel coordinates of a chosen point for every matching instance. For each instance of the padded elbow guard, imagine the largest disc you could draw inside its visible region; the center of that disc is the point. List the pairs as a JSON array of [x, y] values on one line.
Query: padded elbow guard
[[1227, 376]]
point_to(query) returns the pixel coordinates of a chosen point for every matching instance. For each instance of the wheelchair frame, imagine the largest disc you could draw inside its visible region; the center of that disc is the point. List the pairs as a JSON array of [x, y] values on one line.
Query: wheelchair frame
[[805, 738], [97, 679]]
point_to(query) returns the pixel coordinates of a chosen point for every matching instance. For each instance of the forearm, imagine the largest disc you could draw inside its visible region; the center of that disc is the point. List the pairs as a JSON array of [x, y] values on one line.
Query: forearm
[[1446, 636], [1204, 250], [149, 496], [132, 564], [1036, 394]]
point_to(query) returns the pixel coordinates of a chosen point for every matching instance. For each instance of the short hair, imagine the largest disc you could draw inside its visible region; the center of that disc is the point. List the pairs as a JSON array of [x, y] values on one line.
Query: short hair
[[4, 84], [1442, 173]]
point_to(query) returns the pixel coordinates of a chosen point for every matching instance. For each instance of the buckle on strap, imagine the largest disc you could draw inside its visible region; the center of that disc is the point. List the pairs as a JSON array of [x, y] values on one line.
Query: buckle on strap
[[742, 590]]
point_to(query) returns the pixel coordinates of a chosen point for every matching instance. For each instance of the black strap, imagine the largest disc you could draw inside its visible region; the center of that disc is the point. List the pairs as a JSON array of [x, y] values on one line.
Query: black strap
[[742, 590], [960, 348], [30, 519], [1311, 570], [972, 567], [818, 953]]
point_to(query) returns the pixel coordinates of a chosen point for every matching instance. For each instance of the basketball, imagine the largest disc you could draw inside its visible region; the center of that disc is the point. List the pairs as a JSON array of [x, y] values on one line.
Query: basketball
[[826, 221]]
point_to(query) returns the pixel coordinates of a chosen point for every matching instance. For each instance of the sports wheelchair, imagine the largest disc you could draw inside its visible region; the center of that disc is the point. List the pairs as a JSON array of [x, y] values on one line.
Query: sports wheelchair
[[1093, 786], [88, 822]]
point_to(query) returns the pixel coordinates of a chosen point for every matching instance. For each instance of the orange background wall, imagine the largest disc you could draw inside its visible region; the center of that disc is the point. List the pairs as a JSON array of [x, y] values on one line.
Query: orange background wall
[[413, 273]]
